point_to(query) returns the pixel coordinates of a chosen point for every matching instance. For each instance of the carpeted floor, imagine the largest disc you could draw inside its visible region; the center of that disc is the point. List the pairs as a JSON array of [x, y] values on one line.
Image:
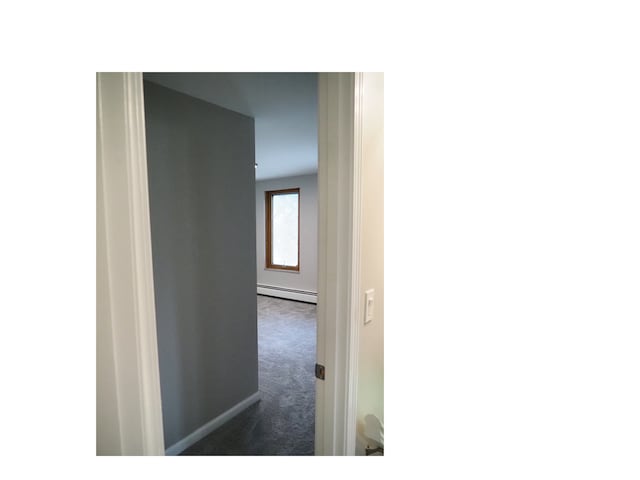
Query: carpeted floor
[[282, 423]]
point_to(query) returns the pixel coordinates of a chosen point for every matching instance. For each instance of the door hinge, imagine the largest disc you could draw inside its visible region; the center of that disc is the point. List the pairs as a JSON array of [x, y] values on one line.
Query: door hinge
[[319, 371]]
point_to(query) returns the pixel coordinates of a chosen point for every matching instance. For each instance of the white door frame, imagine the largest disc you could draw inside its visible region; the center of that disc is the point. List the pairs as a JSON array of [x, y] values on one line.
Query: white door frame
[[126, 306], [339, 308], [129, 314]]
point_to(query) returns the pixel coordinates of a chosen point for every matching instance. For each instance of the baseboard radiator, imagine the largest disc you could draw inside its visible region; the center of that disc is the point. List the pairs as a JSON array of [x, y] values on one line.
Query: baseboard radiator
[[209, 427], [288, 293]]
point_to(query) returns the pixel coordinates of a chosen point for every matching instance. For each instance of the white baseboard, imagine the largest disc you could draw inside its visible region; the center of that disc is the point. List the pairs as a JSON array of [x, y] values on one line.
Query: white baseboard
[[288, 293], [209, 427]]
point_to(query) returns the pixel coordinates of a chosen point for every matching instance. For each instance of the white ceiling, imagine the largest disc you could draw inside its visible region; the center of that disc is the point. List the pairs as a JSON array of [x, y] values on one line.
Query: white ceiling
[[284, 106]]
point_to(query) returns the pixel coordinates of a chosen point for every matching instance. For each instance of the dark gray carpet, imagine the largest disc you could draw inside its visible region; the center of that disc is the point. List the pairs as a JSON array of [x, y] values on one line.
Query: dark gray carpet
[[282, 423]]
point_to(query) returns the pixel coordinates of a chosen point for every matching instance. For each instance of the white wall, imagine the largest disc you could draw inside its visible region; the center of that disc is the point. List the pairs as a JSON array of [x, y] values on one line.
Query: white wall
[[371, 353], [307, 278]]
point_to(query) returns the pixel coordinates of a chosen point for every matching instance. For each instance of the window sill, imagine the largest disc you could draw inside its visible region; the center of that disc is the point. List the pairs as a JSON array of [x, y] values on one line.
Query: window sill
[[281, 270]]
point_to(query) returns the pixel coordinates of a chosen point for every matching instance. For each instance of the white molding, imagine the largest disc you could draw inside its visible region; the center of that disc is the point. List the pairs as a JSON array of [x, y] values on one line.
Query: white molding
[[337, 350], [123, 165], [356, 300], [320, 446], [209, 427], [143, 271], [287, 293]]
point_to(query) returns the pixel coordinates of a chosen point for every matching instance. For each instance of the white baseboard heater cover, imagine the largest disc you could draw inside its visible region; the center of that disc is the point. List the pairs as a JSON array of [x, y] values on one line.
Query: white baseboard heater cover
[[288, 293]]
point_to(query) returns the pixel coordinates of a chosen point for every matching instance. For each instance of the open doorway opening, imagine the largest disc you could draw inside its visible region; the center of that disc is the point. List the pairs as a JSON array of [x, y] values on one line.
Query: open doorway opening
[[236, 326], [128, 357]]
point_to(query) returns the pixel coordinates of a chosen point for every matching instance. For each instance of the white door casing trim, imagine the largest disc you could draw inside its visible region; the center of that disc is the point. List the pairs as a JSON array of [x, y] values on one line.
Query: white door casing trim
[[357, 302], [122, 162], [339, 203]]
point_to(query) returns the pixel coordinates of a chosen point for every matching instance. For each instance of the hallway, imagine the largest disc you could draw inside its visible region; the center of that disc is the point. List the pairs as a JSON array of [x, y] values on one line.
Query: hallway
[[282, 423]]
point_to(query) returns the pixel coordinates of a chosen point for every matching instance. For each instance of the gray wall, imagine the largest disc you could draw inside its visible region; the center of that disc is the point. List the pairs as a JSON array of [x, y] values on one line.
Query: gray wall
[[202, 201], [307, 278]]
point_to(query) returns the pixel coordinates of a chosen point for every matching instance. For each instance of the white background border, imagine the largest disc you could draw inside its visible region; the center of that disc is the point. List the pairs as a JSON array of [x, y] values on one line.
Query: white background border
[[511, 174]]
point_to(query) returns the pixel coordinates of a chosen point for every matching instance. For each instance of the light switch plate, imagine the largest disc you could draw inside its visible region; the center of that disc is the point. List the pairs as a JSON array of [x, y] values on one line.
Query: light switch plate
[[368, 306]]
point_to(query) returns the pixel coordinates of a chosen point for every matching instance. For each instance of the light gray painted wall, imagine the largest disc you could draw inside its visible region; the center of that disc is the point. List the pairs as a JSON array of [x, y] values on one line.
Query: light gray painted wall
[[307, 278], [284, 106], [201, 188]]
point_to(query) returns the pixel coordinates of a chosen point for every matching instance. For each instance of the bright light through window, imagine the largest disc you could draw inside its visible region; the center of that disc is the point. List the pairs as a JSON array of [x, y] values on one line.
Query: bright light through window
[[283, 211], [285, 229]]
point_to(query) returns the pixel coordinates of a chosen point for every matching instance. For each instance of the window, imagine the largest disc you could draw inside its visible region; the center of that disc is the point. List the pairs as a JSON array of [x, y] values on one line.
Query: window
[[283, 229]]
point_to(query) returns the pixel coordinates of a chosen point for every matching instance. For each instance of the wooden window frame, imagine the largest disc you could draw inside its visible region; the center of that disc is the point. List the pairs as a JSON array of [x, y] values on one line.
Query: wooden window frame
[[268, 195]]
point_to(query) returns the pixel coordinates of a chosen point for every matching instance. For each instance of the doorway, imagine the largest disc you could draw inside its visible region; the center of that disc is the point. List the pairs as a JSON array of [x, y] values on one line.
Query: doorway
[[213, 141], [132, 347]]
